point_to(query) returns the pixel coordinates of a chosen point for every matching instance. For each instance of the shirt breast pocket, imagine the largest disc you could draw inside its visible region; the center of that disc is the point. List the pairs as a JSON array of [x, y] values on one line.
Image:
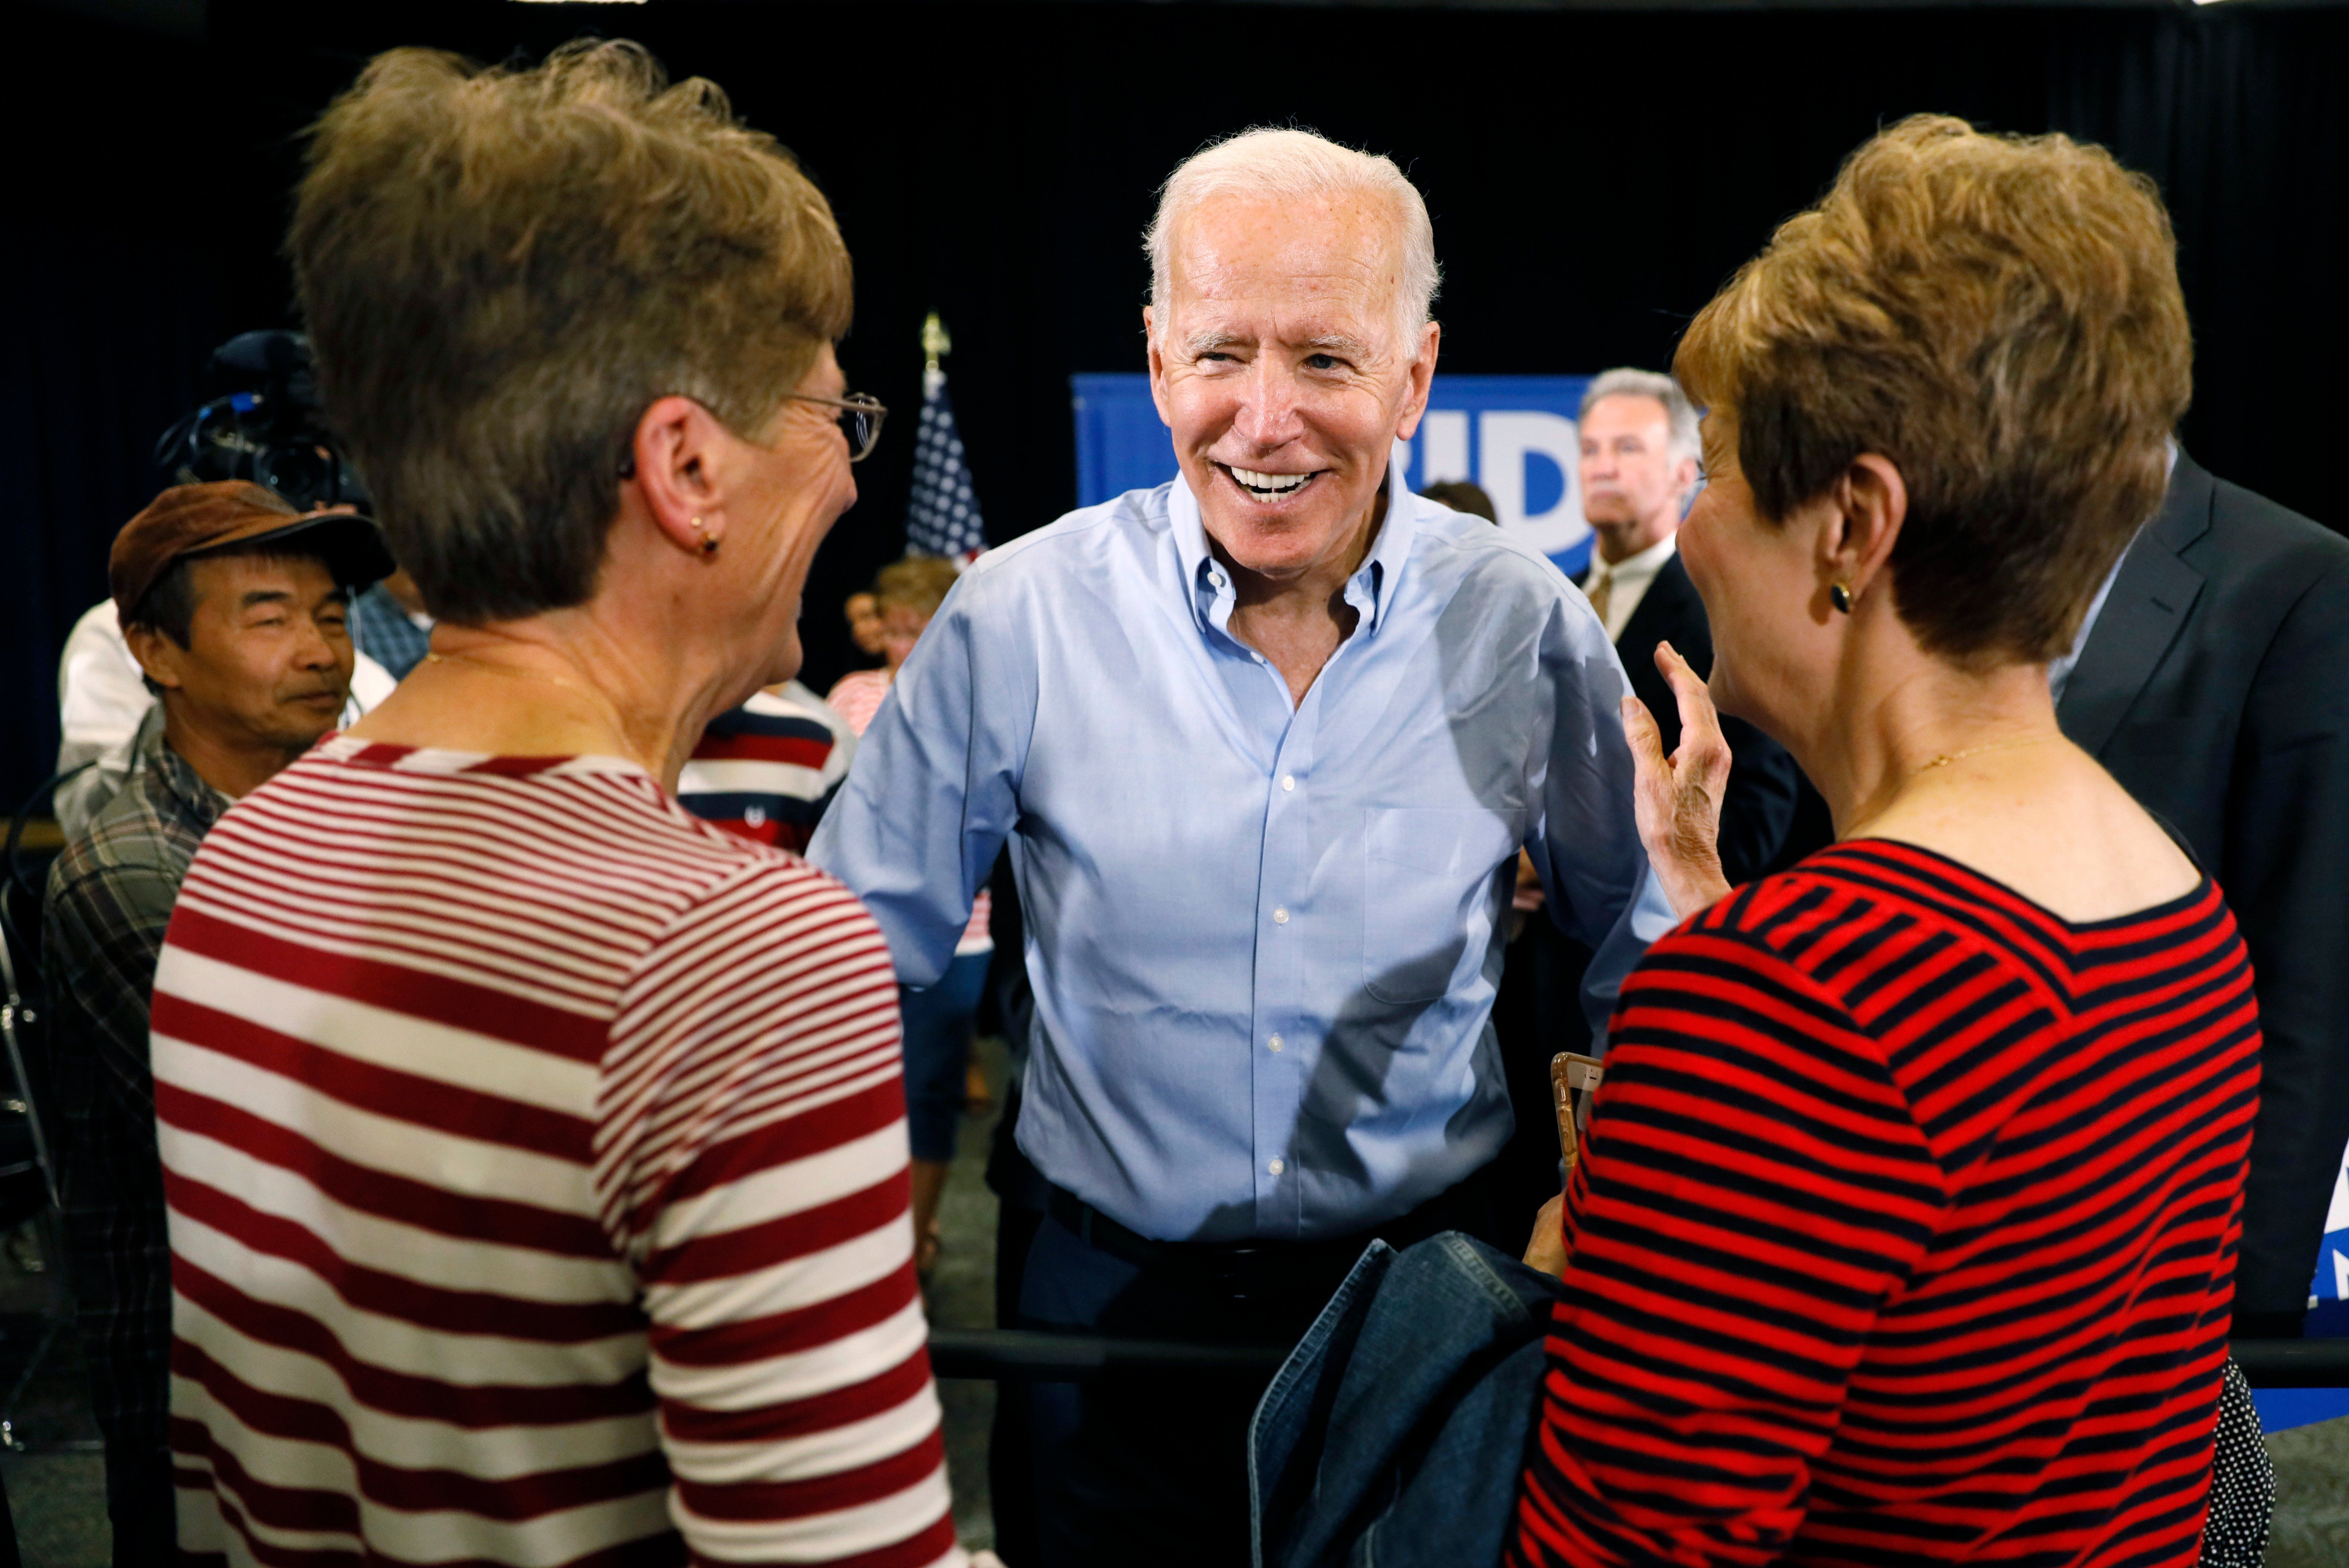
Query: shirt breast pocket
[[1428, 896]]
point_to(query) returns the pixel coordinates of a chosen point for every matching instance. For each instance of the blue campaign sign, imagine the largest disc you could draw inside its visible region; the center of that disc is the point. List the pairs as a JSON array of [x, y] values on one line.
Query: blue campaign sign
[[1513, 434], [2329, 1292]]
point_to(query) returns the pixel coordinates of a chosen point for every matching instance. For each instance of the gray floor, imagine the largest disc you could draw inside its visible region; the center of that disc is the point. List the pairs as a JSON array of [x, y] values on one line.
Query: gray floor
[[2312, 1517], [57, 1490]]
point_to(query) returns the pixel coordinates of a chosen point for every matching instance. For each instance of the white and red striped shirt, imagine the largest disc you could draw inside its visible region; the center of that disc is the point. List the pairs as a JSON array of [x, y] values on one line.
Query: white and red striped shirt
[[537, 1168]]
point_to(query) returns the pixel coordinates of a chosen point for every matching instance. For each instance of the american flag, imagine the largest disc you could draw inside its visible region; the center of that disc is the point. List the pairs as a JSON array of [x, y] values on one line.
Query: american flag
[[942, 513]]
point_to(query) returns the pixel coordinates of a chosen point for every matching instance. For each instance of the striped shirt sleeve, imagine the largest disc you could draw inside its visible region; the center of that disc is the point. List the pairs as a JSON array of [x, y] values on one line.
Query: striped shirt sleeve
[[1754, 1186], [751, 1164]]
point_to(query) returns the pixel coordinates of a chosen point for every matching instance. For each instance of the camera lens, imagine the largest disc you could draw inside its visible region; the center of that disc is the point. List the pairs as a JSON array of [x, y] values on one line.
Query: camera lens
[[305, 475]]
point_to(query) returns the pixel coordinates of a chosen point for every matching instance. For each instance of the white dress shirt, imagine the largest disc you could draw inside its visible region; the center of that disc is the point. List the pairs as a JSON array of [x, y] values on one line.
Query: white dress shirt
[[1627, 580]]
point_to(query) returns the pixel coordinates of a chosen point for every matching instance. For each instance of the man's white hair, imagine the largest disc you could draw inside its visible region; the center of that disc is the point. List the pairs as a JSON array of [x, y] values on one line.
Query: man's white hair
[[1270, 164]]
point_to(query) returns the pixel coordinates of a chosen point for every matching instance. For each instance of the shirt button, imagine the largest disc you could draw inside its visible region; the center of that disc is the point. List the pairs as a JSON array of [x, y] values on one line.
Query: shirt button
[[1275, 1167], [1280, 917], [1288, 780], [1275, 1044]]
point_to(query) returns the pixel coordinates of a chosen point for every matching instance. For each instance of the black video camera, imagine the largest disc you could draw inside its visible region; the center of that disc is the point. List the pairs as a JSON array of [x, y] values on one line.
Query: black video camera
[[265, 425]]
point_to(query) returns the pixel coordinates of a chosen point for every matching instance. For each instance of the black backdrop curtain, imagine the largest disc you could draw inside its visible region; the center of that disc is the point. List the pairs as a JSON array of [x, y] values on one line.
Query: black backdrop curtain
[[1593, 176]]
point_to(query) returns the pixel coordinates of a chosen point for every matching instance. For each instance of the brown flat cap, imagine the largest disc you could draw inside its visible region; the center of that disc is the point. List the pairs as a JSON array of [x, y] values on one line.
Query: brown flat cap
[[189, 519]]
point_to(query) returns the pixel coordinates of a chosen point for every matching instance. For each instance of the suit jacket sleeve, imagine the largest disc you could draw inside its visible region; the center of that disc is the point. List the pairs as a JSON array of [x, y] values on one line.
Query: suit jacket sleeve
[[1757, 809], [2287, 876]]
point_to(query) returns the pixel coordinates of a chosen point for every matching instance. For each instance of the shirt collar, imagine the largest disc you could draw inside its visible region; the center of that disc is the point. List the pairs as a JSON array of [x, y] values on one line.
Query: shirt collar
[[1371, 590], [1636, 568], [198, 800]]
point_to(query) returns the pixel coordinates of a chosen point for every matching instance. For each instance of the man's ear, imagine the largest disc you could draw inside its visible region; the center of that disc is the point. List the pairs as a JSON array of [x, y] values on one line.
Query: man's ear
[[157, 655], [1423, 380], [681, 452], [1157, 366], [1870, 504]]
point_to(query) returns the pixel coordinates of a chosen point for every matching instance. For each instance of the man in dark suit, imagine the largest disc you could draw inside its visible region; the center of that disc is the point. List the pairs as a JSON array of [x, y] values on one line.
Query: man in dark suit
[[2212, 680], [1639, 465]]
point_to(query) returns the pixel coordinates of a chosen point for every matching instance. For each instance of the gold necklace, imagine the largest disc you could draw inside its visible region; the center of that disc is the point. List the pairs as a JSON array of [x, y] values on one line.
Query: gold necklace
[[1946, 758], [1943, 760]]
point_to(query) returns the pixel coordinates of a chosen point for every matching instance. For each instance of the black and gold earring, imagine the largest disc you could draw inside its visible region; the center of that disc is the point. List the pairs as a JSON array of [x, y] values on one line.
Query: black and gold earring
[[709, 545], [1840, 595]]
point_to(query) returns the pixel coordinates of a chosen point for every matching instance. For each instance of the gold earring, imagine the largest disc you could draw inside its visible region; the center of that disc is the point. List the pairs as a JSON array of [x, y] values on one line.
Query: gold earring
[[709, 545], [1840, 595]]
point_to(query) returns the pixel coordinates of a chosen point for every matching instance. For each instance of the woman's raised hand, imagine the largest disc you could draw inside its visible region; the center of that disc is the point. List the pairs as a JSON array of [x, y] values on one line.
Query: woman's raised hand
[[1678, 798]]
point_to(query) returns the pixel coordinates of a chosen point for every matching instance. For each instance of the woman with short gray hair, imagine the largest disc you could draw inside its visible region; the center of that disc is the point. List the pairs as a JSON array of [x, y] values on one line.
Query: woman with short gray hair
[[536, 1152]]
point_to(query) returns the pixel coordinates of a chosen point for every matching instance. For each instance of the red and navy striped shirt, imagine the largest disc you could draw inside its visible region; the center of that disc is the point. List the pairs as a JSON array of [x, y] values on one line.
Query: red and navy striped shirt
[[1905, 1233], [766, 770]]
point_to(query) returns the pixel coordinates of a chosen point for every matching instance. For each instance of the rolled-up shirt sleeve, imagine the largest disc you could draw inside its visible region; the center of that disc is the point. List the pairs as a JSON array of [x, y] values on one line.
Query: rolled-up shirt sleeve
[[932, 794]]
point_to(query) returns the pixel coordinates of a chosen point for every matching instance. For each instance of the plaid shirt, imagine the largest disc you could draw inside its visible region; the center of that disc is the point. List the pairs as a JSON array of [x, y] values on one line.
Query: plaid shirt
[[110, 897], [385, 633]]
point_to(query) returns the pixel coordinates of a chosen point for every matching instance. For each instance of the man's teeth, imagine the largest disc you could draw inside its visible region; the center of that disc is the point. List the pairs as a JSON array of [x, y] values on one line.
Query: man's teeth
[[1269, 484]]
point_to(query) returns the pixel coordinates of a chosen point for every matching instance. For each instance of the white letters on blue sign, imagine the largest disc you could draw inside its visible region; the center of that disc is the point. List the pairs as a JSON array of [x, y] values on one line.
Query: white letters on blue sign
[[1444, 446], [1513, 440]]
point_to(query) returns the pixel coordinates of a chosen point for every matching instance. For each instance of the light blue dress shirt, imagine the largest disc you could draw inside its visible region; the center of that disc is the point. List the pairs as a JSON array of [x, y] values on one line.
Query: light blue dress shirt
[[1265, 938]]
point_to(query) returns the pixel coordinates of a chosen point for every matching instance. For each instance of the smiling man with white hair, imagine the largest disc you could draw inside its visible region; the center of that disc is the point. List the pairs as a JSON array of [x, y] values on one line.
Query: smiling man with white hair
[[1264, 741]]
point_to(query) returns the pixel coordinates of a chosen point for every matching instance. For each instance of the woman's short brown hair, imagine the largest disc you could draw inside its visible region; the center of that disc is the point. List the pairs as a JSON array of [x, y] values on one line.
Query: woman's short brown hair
[[500, 269], [1999, 318], [917, 583]]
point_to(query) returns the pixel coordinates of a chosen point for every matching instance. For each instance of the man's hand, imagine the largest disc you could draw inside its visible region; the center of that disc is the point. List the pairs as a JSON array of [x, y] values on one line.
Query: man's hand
[[1528, 895], [1677, 798], [1547, 1251]]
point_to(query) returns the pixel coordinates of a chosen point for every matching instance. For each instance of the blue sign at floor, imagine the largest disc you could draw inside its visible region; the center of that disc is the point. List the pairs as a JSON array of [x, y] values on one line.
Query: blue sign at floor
[[1513, 434]]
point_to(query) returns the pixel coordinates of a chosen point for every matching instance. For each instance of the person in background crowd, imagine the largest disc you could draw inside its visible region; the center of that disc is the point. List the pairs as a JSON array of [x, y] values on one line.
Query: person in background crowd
[[103, 699], [864, 613], [1262, 741], [768, 769], [905, 594], [390, 625], [1639, 468], [937, 1015], [234, 606], [536, 1147], [1463, 496], [1944, 1266], [2209, 679]]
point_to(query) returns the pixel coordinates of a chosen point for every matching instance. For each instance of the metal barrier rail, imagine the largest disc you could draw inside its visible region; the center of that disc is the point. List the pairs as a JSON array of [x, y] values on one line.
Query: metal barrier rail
[[998, 1353], [988, 1352]]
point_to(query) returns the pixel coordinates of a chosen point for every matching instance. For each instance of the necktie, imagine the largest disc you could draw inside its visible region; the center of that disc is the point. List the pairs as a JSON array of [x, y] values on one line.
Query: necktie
[[1600, 582]]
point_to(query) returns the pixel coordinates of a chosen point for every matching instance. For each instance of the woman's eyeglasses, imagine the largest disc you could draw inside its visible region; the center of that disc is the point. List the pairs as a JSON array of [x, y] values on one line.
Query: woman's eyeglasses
[[860, 422], [860, 419]]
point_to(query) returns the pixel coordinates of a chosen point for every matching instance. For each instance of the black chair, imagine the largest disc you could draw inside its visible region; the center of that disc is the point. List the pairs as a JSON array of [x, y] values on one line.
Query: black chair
[[29, 1179]]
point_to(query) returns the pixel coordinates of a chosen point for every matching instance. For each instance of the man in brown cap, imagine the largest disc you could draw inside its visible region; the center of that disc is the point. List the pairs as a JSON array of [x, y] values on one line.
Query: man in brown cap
[[236, 607]]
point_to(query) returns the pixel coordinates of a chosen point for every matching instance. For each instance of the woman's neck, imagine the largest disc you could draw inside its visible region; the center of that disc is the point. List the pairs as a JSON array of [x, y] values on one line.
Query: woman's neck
[[556, 685], [1883, 745]]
